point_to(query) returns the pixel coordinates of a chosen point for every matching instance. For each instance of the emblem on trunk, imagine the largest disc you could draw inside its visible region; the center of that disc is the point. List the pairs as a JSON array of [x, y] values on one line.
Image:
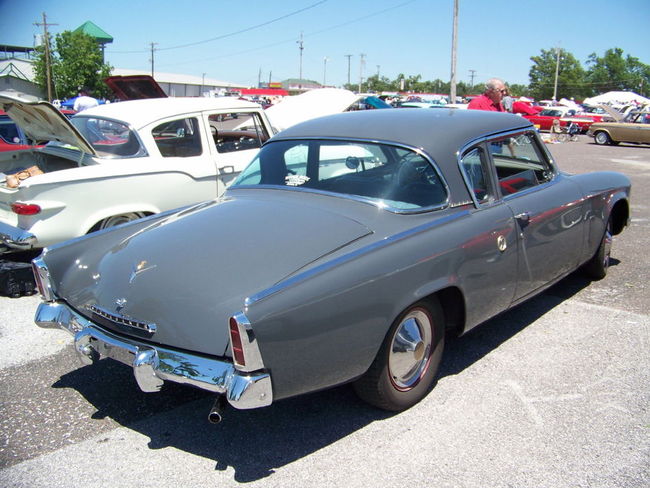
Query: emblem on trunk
[[141, 267]]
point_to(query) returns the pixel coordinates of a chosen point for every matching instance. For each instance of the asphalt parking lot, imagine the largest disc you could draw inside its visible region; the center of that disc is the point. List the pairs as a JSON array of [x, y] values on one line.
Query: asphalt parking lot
[[554, 393]]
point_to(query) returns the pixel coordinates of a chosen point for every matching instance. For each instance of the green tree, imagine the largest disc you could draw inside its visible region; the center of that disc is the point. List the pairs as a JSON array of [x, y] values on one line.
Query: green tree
[[570, 80], [613, 71], [75, 61]]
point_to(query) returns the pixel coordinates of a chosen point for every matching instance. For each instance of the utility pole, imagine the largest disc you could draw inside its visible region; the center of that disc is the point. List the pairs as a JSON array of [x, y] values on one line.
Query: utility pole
[[301, 47], [557, 72], [152, 51], [454, 48], [325, 60], [348, 56], [362, 62], [48, 67], [472, 74]]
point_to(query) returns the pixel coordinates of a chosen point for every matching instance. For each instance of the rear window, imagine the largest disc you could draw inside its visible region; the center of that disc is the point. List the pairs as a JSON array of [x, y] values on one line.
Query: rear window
[[109, 138], [398, 178]]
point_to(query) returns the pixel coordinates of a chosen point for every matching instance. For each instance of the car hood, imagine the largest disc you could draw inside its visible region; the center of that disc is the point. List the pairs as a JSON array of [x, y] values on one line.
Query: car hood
[[189, 272], [42, 121], [309, 105]]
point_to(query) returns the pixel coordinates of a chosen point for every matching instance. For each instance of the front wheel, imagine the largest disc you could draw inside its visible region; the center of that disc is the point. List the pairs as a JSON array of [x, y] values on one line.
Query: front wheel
[[602, 138], [405, 367], [596, 268]]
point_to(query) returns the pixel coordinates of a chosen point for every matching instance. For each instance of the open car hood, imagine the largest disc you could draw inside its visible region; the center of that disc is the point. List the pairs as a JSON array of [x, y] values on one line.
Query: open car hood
[[42, 121], [309, 105], [134, 87]]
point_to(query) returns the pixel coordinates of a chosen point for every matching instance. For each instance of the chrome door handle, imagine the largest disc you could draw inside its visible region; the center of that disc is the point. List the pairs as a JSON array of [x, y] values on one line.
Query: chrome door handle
[[523, 218]]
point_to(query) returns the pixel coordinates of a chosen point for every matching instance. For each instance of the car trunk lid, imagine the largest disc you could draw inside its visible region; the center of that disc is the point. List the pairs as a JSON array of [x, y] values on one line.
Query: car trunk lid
[[42, 121]]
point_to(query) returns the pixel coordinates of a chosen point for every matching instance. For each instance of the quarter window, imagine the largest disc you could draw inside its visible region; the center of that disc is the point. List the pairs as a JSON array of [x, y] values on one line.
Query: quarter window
[[473, 165]]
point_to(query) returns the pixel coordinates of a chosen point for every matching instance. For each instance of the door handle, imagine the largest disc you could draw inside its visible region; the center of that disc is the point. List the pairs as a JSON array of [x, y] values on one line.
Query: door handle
[[227, 169], [523, 218]]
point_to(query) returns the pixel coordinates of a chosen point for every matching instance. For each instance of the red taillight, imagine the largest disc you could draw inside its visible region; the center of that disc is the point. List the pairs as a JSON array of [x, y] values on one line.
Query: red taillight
[[25, 208], [235, 342]]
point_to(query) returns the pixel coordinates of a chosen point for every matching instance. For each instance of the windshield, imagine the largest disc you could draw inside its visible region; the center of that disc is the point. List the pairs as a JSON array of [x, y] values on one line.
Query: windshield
[[110, 138], [397, 178]]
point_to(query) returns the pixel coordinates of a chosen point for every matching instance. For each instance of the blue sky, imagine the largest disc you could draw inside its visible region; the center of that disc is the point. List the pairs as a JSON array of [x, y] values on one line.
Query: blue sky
[[234, 41]]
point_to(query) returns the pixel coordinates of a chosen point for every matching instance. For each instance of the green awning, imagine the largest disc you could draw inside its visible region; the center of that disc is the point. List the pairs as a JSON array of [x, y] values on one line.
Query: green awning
[[94, 31]]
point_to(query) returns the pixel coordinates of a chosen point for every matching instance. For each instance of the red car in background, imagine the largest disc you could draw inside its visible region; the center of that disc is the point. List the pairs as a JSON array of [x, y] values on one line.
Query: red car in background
[[544, 119], [12, 137]]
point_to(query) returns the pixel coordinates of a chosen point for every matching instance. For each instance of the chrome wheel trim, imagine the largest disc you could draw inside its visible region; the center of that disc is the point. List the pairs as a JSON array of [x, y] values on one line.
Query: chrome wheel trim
[[601, 138], [410, 350], [119, 219]]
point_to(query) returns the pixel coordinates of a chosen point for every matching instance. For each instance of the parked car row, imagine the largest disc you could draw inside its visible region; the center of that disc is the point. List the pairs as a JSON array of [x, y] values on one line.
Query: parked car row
[[344, 252], [635, 128]]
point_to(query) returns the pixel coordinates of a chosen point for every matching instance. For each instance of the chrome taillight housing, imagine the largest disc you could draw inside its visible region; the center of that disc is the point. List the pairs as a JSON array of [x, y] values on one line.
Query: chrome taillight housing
[[42, 278], [245, 351]]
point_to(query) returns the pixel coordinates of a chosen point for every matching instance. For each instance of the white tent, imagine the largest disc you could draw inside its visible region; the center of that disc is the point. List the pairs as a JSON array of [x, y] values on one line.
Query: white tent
[[617, 98]]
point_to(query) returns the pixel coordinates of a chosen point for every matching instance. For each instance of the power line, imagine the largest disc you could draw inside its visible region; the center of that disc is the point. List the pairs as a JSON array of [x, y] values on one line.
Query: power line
[[241, 31]]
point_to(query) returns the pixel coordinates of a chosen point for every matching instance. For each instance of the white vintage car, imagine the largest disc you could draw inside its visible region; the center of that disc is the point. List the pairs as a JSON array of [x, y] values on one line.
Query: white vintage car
[[118, 162]]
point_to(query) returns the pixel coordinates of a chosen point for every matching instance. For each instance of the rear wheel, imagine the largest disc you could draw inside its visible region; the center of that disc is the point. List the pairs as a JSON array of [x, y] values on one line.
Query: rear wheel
[[407, 362], [596, 268], [117, 220], [602, 138]]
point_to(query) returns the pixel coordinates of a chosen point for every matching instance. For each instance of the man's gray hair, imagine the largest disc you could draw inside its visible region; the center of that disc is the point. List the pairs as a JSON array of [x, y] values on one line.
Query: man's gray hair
[[493, 82]]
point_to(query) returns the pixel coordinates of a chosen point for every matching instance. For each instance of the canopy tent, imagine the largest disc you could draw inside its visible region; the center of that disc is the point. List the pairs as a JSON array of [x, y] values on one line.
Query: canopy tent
[[617, 98]]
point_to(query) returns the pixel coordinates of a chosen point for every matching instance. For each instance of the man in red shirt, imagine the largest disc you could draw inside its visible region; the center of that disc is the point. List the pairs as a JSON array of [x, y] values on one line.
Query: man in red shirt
[[491, 98]]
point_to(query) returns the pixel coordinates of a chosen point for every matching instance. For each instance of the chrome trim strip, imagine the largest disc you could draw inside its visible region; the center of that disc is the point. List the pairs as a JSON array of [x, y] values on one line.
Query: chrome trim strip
[[153, 365], [306, 275], [375, 202], [16, 238]]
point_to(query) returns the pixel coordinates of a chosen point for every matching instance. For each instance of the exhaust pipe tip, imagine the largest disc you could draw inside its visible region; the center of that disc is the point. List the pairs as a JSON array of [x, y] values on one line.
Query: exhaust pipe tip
[[216, 412]]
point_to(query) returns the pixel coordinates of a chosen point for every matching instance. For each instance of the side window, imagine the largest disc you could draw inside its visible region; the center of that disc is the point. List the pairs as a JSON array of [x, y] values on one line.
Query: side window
[[237, 131], [178, 138], [473, 165], [520, 163]]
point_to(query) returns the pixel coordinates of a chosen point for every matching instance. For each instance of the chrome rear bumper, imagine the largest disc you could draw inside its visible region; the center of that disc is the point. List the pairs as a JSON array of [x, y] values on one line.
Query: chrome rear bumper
[[13, 238], [153, 365]]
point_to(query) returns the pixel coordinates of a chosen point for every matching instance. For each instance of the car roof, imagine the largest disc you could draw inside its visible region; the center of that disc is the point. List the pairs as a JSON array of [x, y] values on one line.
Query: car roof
[[441, 132], [142, 112]]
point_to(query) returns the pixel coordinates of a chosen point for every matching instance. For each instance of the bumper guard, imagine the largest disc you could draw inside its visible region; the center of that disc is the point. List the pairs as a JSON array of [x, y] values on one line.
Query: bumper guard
[[153, 365], [13, 238]]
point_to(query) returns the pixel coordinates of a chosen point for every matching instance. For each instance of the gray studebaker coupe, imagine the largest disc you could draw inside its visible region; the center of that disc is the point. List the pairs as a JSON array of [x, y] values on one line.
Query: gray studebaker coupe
[[344, 252]]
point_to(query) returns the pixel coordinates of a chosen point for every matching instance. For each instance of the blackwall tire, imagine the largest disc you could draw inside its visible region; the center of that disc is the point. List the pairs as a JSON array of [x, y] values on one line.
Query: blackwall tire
[[117, 220], [596, 268], [406, 366]]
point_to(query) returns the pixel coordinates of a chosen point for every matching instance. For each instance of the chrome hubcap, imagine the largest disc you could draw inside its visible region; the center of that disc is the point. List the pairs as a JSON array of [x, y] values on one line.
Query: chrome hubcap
[[410, 350]]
